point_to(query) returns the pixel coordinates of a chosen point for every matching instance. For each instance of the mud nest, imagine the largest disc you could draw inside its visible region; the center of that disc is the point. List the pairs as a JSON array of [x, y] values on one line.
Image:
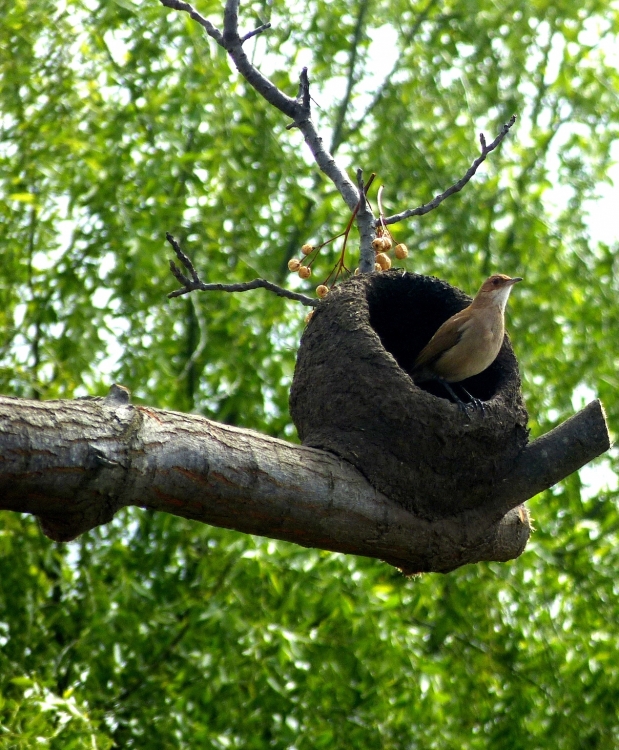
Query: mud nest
[[352, 394]]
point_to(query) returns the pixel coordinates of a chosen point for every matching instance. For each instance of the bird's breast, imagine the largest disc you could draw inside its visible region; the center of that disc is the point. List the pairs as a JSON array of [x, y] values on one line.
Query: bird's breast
[[479, 344]]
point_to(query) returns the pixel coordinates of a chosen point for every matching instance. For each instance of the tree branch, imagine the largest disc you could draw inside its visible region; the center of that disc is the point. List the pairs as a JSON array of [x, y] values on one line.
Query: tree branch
[[255, 32], [297, 109], [555, 455], [365, 222], [187, 8], [195, 283], [75, 463], [455, 188]]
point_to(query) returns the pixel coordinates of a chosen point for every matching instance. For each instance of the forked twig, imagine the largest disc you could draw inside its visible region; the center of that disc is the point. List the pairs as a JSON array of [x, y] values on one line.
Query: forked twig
[[190, 285], [456, 187]]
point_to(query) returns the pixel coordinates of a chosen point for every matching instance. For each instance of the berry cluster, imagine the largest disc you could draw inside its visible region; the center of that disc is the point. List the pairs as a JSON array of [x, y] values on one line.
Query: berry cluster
[[382, 244]]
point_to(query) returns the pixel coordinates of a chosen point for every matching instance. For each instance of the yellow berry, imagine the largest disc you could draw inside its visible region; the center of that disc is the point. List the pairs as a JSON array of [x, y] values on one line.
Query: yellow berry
[[386, 244], [384, 261], [322, 290], [308, 317], [377, 244], [294, 264], [307, 249], [305, 272], [377, 267], [401, 251]]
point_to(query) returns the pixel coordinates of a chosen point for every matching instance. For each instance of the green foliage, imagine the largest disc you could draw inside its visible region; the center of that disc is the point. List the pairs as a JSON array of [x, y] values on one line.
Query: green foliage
[[121, 121]]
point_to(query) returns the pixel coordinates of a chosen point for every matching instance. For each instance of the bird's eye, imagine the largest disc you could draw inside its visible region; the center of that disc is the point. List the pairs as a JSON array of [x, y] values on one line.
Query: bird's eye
[[495, 281]]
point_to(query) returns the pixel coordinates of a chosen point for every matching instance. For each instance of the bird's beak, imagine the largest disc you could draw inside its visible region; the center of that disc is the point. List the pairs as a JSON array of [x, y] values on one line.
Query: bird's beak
[[515, 280]]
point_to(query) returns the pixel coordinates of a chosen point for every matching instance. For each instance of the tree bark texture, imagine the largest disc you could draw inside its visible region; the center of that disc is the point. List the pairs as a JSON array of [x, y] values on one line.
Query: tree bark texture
[[75, 463]]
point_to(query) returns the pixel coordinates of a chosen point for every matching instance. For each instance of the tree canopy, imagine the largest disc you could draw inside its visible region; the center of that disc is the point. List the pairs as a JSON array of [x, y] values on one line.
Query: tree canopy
[[121, 121]]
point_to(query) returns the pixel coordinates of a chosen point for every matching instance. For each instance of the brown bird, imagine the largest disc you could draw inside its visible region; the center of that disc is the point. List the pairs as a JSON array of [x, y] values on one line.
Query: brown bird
[[469, 341]]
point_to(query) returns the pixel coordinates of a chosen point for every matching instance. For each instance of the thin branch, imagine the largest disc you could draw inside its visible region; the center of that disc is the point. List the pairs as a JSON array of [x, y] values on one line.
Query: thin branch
[[297, 109], [231, 20], [193, 284], [304, 94], [323, 158], [184, 260], [255, 32], [245, 287], [211, 30], [455, 188], [234, 46]]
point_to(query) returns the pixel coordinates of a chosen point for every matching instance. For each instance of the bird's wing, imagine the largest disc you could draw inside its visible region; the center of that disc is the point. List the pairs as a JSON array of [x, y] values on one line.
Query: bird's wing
[[443, 340]]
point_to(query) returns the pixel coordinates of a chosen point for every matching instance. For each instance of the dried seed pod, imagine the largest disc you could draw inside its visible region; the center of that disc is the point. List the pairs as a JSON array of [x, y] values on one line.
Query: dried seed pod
[[401, 251], [294, 264], [307, 249], [386, 244], [384, 261], [322, 290], [308, 317], [377, 244], [377, 267], [305, 272]]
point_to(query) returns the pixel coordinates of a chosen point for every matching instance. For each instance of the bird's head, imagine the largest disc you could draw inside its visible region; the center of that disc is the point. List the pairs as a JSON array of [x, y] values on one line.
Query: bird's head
[[495, 290]]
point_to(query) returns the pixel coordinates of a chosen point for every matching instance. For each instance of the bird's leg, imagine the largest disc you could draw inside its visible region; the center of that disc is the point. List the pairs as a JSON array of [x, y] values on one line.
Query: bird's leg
[[477, 403], [461, 405]]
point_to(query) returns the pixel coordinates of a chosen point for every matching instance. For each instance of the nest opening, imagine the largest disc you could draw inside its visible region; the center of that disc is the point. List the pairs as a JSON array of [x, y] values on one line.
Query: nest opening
[[406, 311]]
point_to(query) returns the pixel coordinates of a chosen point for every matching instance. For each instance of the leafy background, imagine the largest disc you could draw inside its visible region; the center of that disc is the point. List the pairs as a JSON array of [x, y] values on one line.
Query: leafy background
[[120, 121]]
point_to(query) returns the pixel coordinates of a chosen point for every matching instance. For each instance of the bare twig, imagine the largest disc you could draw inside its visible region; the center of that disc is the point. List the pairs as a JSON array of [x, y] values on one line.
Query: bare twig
[[297, 109], [184, 260], [193, 284], [427, 207], [210, 29], [245, 287], [255, 32]]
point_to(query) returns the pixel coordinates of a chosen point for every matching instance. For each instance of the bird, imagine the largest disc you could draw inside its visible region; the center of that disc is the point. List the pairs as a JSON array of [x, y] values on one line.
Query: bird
[[468, 342]]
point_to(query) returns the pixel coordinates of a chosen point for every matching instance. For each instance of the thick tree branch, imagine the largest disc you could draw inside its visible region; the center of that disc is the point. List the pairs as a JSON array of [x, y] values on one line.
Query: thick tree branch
[[456, 187], [193, 284], [555, 455], [75, 463]]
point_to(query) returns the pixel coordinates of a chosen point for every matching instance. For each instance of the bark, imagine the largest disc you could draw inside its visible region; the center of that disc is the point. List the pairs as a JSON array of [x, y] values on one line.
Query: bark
[[75, 463]]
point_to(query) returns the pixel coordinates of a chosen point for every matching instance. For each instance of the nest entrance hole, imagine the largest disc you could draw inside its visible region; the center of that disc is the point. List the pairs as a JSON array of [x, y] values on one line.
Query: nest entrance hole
[[406, 311]]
